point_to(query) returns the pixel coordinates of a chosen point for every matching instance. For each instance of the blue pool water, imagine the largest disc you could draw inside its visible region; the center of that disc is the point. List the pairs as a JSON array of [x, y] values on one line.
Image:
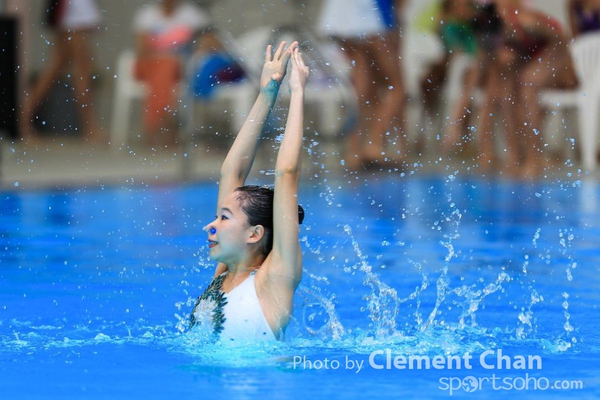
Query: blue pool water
[[401, 273]]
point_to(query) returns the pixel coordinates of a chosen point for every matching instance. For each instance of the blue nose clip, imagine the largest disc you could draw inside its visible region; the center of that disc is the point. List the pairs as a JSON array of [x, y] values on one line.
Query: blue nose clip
[[212, 230]]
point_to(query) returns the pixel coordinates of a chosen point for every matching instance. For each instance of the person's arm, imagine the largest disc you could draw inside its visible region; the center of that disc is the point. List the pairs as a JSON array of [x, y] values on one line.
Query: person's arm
[[399, 5], [541, 25], [239, 159], [209, 42], [284, 267], [572, 17], [400, 8]]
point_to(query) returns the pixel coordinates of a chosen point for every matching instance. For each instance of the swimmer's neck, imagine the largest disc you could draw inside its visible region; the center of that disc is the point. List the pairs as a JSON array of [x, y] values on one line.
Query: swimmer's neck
[[237, 275], [246, 264], [239, 271]]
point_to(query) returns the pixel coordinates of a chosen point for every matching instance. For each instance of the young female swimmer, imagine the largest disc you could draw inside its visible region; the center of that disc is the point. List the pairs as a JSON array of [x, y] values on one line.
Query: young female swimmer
[[254, 237]]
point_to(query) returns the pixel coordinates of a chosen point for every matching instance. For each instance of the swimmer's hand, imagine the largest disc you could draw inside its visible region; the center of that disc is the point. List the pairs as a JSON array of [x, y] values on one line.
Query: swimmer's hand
[[275, 68], [299, 73]]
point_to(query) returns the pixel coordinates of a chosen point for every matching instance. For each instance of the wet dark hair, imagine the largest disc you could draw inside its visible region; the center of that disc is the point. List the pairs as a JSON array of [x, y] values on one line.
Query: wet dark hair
[[257, 203]]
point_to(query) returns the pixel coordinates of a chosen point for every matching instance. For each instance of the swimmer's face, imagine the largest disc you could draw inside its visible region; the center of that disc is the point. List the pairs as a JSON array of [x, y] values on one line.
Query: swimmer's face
[[230, 232]]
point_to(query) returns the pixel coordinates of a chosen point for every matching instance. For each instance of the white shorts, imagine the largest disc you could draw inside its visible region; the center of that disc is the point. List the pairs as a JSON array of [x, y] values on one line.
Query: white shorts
[[80, 14], [351, 19]]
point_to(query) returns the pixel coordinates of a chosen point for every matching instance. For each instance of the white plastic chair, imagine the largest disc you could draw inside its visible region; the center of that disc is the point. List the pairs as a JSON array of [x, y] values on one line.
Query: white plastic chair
[[460, 63], [585, 51], [239, 95], [127, 90]]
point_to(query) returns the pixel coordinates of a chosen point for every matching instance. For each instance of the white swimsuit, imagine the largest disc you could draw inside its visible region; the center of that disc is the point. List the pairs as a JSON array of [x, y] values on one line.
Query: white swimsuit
[[234, 316]]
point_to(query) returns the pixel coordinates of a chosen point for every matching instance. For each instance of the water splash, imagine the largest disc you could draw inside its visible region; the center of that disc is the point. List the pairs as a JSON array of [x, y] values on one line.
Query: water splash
[[382, 301], [567, 325], [452, 221], [319, 317], [526, 316]]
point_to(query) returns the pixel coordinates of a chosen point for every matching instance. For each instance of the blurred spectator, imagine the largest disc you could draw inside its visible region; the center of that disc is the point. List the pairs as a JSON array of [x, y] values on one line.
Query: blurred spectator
[[168, 33], [72, 21], [529, 54], [584, 16], [458, 37], [369, 33]]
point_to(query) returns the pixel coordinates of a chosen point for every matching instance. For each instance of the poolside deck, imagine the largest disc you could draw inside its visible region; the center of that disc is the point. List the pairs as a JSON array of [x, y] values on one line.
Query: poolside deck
[[69, 162]]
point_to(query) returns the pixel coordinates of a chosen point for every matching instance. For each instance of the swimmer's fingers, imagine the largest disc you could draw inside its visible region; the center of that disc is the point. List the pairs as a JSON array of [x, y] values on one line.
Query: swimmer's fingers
[[298, 58], [301, 64], [268, 57], [288, 53], [275, 67], [279, 51], [300, 71]]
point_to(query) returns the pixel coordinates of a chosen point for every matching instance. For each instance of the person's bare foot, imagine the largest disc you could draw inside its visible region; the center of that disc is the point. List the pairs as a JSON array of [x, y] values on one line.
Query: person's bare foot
[[98, 138], [486, 163], [513, 170], [372, 153], [353, 157], [451, 140], [352, 162], [532, 169], [530, 172], [29, 135]]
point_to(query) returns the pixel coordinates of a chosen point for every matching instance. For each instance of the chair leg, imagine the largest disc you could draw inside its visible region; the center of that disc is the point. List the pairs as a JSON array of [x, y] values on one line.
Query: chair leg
[[120, 120], [329, 112], [589, 127]]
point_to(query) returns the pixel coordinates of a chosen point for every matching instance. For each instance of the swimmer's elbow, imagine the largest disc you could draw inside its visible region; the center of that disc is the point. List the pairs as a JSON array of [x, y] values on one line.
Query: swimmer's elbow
[[287, 171], [228, 170]]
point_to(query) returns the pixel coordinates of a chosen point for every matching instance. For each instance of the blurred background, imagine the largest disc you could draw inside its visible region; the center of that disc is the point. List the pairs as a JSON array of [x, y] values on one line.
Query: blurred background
[[25, 30]]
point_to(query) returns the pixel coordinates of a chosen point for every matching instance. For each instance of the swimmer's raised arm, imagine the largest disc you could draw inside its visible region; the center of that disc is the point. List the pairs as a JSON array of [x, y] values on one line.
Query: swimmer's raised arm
[[240, 157], [282, 269]]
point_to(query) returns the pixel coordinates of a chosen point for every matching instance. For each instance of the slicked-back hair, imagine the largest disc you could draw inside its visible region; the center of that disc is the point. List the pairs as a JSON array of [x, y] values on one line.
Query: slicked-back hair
[[257, 203]]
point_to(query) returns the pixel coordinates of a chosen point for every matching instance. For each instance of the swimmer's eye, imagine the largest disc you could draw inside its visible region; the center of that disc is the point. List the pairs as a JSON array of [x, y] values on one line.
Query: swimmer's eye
[[223, 217]]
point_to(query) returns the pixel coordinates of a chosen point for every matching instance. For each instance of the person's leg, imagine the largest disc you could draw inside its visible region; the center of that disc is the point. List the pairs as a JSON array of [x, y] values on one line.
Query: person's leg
[[498, 87], [528, 132], [485, 125], [387, 136], [49, 75], [359, 57], [550, 68], [161, 75], [81, 61], [460, 110], [509, 101]]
